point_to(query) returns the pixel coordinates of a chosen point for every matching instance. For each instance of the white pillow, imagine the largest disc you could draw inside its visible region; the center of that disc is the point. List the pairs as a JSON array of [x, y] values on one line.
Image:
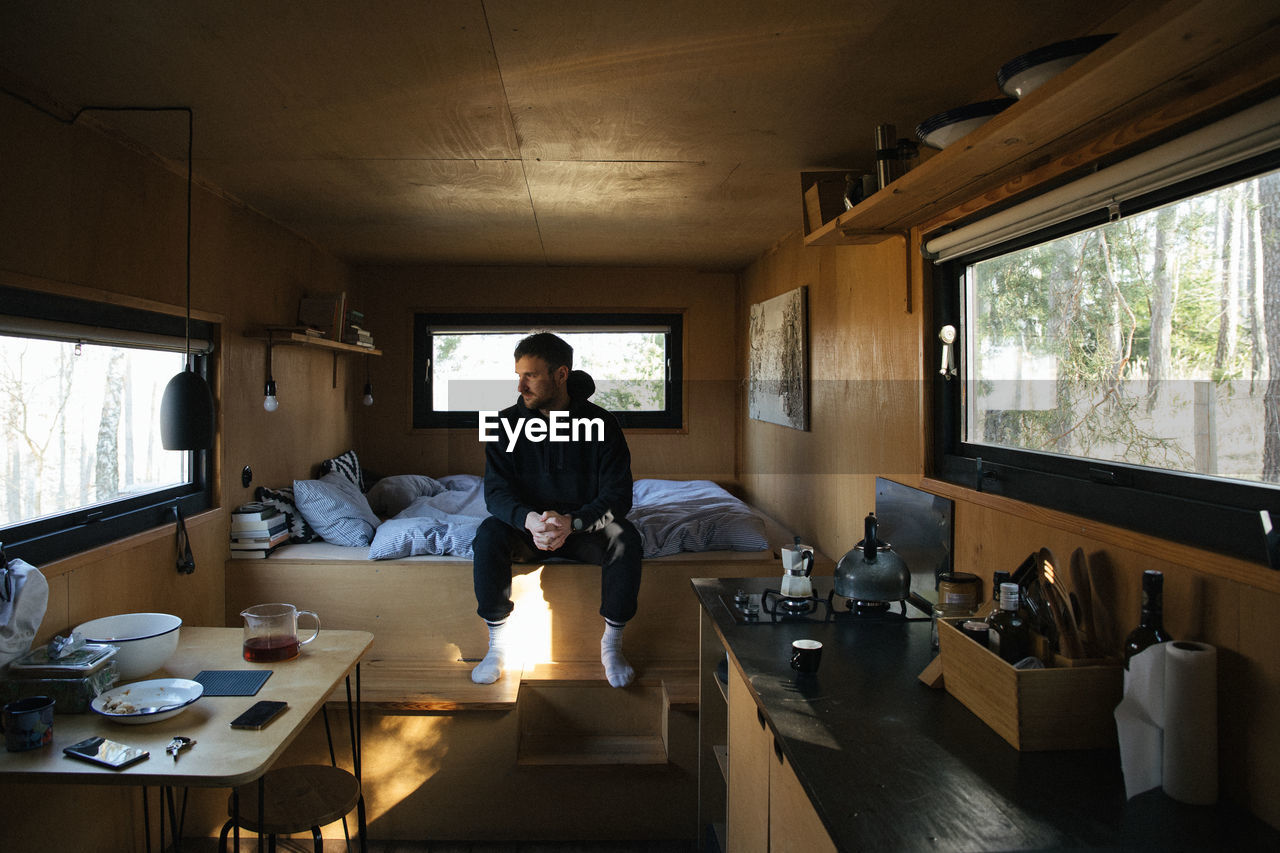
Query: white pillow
[[336, 509]]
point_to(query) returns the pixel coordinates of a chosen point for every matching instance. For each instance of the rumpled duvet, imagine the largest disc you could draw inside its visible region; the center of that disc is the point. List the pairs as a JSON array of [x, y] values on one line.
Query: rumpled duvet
[[430, 516]]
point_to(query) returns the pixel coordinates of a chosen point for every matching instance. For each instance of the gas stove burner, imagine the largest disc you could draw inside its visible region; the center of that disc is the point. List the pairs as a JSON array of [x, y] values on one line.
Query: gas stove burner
[[867, 608], [881, 611], [781, 606]]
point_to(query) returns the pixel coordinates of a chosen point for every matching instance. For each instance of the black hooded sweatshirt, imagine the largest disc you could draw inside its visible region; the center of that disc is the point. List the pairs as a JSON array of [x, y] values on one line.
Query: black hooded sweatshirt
[[588, 479]]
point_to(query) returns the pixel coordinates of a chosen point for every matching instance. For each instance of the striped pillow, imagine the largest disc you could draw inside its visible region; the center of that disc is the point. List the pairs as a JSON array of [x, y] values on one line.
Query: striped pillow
[[348, 466], [336, 509], [282, 499]]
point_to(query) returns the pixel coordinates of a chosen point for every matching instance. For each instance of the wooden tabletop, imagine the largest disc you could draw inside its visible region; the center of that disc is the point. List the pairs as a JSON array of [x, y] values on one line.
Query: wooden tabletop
[[221, 756]]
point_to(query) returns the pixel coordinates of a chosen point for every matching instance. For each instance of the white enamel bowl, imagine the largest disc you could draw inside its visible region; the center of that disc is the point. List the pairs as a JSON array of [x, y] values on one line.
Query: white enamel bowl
[[146, 640]]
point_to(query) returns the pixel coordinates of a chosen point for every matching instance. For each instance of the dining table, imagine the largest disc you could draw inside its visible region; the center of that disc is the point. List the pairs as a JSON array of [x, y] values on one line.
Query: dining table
[[220, 756]]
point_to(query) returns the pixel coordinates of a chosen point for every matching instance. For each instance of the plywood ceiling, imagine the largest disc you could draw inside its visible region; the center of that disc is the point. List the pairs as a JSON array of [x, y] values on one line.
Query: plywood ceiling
[[567, 132]]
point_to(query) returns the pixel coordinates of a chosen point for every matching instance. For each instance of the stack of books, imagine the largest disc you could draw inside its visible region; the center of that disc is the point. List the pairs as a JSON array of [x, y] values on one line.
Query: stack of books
[[257, 530], [354, 332]]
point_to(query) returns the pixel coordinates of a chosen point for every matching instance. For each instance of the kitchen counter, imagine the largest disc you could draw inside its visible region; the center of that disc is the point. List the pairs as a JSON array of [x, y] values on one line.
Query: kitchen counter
[[891, 764]]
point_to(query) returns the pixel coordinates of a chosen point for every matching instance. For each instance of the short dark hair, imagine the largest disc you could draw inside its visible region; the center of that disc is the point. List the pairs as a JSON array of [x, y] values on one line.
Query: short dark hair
[[552, 349]]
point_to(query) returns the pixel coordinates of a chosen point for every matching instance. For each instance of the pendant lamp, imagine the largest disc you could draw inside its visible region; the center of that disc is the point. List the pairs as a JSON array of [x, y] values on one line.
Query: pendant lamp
[[186, 409]]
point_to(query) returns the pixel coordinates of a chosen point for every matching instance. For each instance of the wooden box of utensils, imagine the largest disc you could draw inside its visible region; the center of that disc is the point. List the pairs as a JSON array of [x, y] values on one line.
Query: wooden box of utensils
[[1059, 707], [1066, 705]]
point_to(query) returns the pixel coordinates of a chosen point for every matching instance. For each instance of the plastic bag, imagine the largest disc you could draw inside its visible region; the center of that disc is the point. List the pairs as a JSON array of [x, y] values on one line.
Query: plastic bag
[[24, 596]]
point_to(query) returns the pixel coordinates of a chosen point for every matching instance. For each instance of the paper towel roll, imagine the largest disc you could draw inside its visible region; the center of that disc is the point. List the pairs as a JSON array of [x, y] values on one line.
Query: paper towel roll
[[1140, 721], [1191, 722]]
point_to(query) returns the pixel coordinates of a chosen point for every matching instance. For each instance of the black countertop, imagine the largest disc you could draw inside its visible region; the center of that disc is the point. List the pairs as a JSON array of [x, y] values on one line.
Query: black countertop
[[891, 764]]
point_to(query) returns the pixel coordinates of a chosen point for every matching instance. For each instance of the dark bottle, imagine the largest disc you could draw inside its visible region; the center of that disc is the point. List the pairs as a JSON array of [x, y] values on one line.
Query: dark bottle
[[998, 577], [1009, 635], [1150, 628]]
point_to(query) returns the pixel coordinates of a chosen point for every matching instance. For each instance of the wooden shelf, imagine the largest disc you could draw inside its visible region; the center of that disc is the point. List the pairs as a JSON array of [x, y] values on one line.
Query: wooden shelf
[[289, 337], [1182, 62]]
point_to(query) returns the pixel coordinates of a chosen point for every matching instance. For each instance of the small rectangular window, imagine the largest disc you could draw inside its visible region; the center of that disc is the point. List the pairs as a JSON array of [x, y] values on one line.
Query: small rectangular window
[[464, 364], [80, 391]]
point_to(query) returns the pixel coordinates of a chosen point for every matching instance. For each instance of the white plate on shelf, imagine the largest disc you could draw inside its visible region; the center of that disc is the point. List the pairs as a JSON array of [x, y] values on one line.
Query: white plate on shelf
[[939, 131], [1024, 74], [147, 701]]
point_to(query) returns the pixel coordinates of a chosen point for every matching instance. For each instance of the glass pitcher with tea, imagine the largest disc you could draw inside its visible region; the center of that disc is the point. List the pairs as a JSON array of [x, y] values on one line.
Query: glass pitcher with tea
[[271, 632]]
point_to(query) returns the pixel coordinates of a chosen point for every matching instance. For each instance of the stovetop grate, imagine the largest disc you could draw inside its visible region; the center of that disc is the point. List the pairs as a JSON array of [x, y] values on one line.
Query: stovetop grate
[[771, 606]]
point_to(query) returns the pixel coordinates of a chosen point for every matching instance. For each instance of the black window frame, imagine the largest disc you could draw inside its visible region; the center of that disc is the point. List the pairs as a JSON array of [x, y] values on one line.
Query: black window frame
[[1202, 511], [424, 417], [57, 536]]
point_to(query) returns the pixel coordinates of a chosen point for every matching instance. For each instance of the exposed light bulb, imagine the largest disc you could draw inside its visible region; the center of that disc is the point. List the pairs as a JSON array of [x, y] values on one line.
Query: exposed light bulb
[[270, 403], [367, 399]]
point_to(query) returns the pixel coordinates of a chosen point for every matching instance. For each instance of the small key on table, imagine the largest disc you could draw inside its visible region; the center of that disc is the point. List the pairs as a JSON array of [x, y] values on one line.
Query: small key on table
[[178, 743]]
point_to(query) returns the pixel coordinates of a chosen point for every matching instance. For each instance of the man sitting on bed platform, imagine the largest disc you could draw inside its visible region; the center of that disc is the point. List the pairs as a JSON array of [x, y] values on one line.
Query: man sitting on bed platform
[[553, 491]]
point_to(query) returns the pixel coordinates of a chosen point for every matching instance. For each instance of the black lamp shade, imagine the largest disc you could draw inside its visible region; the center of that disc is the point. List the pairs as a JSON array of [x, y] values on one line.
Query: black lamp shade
[[186, 413]]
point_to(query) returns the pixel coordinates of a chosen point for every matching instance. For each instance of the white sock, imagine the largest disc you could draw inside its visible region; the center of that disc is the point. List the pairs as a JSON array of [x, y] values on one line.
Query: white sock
[[489, 670], [616, 668]]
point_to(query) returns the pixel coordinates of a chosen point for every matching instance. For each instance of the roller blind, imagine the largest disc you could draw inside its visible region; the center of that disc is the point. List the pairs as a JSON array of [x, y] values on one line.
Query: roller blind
[[1232, 140], [33, 327]]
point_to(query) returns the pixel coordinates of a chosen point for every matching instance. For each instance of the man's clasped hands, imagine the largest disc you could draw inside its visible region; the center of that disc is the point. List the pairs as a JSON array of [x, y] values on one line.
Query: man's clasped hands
[[549, 529]]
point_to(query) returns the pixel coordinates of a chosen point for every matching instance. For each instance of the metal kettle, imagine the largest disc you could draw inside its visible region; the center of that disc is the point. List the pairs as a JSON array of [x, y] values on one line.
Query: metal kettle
[[871, 571]]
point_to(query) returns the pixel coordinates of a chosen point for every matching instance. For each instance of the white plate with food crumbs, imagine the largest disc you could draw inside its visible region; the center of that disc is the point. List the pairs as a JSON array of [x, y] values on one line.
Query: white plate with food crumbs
[[147, 701]]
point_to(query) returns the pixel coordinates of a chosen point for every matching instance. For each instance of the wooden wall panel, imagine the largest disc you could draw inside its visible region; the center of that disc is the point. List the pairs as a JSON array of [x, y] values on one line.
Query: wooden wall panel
[[865, 390], [704, 448], [83, 215]]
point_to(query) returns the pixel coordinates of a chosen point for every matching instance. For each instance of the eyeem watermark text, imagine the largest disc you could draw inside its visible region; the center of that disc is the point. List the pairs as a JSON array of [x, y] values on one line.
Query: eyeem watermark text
[[558, 427]]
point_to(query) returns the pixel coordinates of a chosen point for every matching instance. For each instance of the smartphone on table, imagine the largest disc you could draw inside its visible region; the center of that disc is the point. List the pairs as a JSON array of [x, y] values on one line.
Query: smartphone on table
[[108, 753], [259, 715]]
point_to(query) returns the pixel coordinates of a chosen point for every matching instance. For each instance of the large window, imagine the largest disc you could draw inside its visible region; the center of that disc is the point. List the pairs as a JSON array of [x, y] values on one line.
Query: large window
[[1125, 365], [463, 364], [80, 390]]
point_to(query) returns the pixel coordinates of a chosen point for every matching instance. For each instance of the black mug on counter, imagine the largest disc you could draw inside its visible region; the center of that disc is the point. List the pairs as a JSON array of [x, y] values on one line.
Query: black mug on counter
[[806, 655]]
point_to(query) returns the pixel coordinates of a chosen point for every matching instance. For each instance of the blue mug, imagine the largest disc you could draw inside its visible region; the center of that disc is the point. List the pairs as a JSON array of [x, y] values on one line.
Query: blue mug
[[28, 723]]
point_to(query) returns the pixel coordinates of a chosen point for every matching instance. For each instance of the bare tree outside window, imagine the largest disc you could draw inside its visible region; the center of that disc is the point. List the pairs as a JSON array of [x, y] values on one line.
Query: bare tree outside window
[[78, 426]]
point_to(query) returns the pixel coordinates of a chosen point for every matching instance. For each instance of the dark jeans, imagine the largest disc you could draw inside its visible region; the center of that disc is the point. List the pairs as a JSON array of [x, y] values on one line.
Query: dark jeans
[[616, 549]]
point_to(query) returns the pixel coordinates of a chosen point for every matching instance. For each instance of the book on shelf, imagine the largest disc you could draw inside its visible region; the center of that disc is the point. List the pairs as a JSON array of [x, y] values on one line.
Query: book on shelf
[[251, 512], [266, 527], [309, 331], [252, 542], [257, 554], [358, 336]]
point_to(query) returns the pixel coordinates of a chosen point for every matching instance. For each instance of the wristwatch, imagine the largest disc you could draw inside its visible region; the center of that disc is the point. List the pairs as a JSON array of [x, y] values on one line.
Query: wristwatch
[[577, 523]]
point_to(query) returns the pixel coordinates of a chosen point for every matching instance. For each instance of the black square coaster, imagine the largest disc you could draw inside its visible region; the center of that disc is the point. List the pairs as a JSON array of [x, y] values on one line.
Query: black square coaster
[[232, 682]]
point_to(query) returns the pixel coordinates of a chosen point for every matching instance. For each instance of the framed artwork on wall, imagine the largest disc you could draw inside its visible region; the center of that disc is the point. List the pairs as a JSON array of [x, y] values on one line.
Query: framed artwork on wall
[[778, 361]]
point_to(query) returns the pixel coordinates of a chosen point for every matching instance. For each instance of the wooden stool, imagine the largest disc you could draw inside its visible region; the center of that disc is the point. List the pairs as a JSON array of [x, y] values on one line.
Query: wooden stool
[[296, 799]]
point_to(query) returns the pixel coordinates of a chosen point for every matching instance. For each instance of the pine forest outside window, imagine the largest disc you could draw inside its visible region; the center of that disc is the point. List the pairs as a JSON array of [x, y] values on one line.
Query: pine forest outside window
[[1141, 353]]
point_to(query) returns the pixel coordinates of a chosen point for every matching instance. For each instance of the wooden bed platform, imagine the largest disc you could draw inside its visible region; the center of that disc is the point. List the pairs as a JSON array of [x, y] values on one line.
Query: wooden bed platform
[[427, 636]]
